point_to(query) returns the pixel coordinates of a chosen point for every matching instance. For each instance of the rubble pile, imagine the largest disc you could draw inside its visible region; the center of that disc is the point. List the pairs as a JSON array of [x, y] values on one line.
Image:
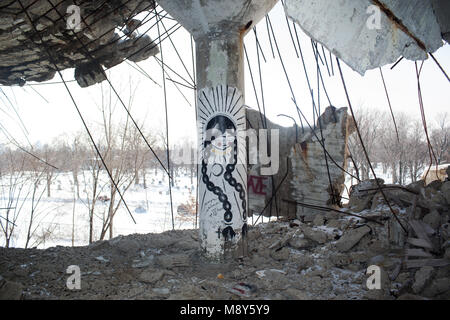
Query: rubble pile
[[327, 258], [416, 231]]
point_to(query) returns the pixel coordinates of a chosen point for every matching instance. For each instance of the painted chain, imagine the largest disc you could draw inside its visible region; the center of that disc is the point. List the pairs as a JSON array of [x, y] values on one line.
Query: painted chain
[[228, 232]]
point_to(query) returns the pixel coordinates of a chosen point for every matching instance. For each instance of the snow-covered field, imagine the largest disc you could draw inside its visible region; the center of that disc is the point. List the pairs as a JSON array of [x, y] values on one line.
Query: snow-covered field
[[150, 208]]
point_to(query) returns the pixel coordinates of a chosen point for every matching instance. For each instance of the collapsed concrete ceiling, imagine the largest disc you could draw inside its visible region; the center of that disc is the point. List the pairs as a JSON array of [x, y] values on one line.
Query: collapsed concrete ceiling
[[24, 53], [407, 28], [367, 34]]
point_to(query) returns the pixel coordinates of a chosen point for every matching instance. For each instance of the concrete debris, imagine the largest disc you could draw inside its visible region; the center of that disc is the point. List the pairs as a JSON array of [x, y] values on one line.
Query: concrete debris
[[10, 290], [161, 291], [369, 34], [300, 243], [437, 288], [147, 261], [280, 254], [442, 11], [351, 238], [316, 235], [287, 259], [151, 276], [433, 219], [101, 259], [422, 278], [174, 261]]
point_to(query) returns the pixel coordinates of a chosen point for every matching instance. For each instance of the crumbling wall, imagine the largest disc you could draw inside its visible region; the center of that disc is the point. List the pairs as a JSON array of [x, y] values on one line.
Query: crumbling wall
[[302, 176], [24, 54], [313, 169], [261, 188]]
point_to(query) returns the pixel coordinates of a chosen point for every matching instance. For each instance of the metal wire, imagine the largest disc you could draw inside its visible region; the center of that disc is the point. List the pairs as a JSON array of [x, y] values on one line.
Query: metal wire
[[365, 151], [79, 113]]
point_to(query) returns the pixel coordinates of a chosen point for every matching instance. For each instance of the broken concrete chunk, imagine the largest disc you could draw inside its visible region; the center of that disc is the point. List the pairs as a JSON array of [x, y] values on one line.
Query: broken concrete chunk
[[340, 260], [318, 220], [368, 34], [303, 261], [445, 190], [10, 290], [295, 294], [151, 276], [437, 287], [316, 235], [361, 195], [299, 243], [101, 259], [422, 278], [416, 186], [147, 261], [161, 291], [433, 219], [99, 245], [281, 254], [351, 238], [174, 261], [124, 245], [20, 46], [89, 74]]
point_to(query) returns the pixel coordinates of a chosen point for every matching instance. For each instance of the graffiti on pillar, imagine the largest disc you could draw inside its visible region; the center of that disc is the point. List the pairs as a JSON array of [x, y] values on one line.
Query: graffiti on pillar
[[221, 115]]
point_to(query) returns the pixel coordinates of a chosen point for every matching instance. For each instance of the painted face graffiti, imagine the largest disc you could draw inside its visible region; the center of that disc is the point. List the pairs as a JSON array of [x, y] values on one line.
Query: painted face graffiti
[[219, 144], [223, 176], [220, 155]]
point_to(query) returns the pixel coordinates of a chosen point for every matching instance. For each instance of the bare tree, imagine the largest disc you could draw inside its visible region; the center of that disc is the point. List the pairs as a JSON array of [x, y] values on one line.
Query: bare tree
[[368, 120], [416, 150], [440, 138], [36, 176], [91, 186], [13, 193], [77, 156]]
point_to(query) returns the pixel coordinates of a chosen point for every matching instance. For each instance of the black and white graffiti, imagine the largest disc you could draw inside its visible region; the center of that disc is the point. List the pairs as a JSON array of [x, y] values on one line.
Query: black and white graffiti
[[223, 179]]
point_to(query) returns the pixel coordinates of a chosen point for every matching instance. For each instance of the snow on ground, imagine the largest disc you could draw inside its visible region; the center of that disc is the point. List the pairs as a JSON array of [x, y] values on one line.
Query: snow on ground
[[150, 208]]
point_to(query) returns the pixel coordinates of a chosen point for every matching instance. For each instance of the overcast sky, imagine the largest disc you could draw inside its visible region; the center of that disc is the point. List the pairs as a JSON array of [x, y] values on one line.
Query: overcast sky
[[52, 114]]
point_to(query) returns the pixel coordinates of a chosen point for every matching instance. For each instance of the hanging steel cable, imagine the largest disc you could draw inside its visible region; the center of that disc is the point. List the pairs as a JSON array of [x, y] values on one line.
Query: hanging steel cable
[[79, 113]]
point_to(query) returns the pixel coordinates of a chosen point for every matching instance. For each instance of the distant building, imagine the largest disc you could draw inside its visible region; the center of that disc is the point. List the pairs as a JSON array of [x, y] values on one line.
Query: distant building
[[438, 173]]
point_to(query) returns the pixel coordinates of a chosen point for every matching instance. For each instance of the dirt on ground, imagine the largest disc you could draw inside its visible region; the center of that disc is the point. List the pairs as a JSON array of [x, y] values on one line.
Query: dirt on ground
[[170, 266], [326, 258]]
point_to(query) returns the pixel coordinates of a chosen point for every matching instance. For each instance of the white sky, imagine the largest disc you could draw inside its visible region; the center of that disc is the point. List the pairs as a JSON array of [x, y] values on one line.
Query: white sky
[[57, 117]]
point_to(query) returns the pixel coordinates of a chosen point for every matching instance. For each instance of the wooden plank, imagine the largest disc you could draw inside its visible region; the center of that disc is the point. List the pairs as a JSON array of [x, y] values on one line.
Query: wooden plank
[[427, 262], [418, 253], [420, 243]]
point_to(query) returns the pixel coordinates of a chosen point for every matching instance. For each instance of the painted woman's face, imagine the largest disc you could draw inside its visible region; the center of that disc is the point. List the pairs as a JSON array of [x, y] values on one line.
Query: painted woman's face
[[223, 142], [222, 145]]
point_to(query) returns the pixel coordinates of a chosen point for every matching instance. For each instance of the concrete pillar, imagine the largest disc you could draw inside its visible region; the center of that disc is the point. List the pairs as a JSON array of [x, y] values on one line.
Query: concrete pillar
[[218, 28], [222, 153]]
